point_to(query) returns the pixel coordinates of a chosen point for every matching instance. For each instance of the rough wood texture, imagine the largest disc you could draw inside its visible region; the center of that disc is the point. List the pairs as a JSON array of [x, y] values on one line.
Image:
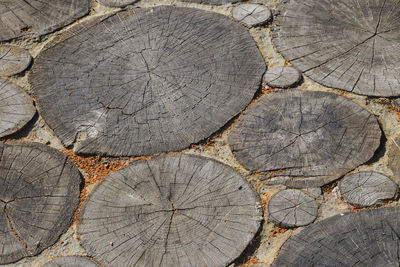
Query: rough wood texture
[[367, 238], [347, 44], [72, 261], [176, 210], [364, 189], [16, 108], [22, 17], [117, 3], [213, 2], [312, 138], [13, 60], [154, 82], [251, 15], [39, 192], [282, 77], [394, 158]]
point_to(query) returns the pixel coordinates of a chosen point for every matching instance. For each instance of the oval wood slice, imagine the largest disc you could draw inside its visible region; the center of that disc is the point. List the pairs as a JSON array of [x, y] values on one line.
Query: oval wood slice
[[117, 3], [350, 45], [16, 108], [155, 82], [176, 210], [39, 192], [72, 261], [312, 138], [13, 60], [251, 14], [367, 238], [213, 2], [282, 77], [22, 17], [364, 189]]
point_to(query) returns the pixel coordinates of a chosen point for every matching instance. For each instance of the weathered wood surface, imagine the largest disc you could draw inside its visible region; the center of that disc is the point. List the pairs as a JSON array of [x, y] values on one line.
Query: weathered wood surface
[[364, 189], [16, 108], [176, 210], [72, 261], [292, 208], [39, 192], [152, 82], [282, 77], [312, 138], [22, 17], [394, 157], [251, 14], [117, 3], [213, 2], [367, 238], [13, 60], [347, 44]]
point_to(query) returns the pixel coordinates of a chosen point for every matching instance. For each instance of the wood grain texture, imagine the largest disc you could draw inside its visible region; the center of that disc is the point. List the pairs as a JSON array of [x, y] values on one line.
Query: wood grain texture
[[13, 60], [152, 82], [22, 17], [72, 261], [352, 45], [367, 238], [282, 77], [176, 210], [39, 192], [364, 189], [213, 2], [16, 108], [292, 208], [117, 3], [251, 14], [394, 158], [312, 138]]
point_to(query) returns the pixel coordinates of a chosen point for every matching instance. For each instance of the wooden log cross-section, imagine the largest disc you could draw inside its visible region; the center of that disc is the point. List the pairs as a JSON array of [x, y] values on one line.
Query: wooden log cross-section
[[146, 81], [72, 261], [39, 192], [117, 3], [213, 2], [174, 210], [13, 60], [352, 45]]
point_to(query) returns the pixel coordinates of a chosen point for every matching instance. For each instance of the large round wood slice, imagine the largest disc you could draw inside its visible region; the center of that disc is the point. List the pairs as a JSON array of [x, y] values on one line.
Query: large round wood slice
[[13, 60], [364, 189], [21, 17], [39, 192], [176, 210], [72, 261], [347, 44], [117, 3], [153, 82], [213, 2], [16, 108], [367, 238], [312, 138]]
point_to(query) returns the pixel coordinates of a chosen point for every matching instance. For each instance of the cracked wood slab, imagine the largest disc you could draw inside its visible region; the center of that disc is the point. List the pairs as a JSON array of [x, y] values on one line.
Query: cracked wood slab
[[39, 192], [364, 189], [72, 261], [251, 14], [22, 17], [367, 238], [146, 81], [213, 2], [175, 210], [117, 3], [307, 138], [16, 108], [351, 45], [282, 77], [292, 208], [13, 60]]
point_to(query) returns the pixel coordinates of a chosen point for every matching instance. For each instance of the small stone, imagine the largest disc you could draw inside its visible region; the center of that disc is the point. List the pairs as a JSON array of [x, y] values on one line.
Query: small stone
[[13, 60], [251, 15], [282, 77]]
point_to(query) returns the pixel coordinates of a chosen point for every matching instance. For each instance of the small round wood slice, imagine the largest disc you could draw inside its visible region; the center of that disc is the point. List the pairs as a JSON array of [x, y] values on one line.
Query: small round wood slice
[[39, 192], [16, 108], [176, 210], [13, 60], [117, 3], [155, 82], [282, 77], [312, 138], [292, 208], [367, 238], [350, 45], [251, 14], [213, 2], [21, 17], [72, 261], [364, 189]]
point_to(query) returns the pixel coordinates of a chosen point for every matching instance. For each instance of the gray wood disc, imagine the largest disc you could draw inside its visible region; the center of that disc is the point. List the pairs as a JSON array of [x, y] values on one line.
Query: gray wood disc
[[39, 192], [312, 138], [347, 44], [364, 189], [251, 14], [117, 3], [13, 60], [367, 238], [155, 82], [21, 17], [394, 158], [175, 210], [213, 2], [292, 208], [16, 108], [72, 261], [282, 77]]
